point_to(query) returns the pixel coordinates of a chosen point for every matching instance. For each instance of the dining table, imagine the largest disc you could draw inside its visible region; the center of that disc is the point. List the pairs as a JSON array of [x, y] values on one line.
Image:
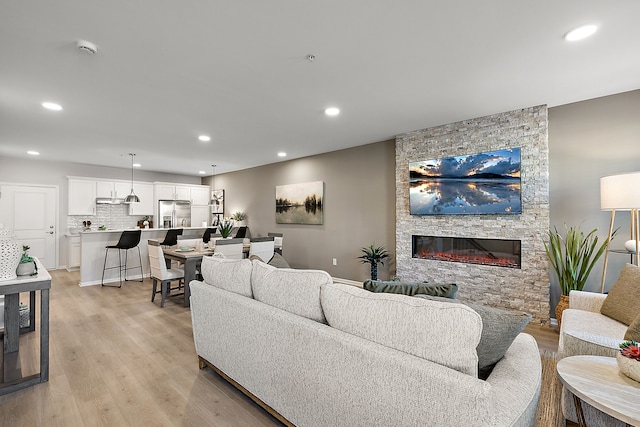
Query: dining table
[[190, 258]]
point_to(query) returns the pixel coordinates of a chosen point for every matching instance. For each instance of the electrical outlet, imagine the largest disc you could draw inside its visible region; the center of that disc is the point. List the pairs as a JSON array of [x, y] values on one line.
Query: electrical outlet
[[335, 261]]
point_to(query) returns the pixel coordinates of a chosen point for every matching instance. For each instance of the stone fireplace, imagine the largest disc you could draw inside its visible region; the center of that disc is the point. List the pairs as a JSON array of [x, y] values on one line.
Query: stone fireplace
[[495, 252], [523, 287]]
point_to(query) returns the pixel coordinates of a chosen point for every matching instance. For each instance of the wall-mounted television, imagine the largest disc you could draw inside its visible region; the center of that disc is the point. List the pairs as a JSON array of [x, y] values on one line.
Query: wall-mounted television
[[477, 184]]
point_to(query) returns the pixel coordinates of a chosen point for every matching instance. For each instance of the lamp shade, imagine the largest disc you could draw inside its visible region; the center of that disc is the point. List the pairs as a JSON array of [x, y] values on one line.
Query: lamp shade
[[620, 192]]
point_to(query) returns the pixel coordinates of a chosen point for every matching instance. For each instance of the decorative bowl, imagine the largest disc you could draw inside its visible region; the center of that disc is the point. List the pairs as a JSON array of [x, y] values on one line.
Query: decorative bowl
[[629, 367]]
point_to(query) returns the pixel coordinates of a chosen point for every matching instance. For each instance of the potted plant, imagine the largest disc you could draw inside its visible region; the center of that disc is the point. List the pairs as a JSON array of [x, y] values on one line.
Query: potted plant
[[374, 255], [225, 226], [239, 217], [572, 257], [27, 266]]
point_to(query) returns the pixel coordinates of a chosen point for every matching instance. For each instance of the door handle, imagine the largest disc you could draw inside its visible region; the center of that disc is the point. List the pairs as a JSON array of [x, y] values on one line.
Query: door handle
[[49, 232]]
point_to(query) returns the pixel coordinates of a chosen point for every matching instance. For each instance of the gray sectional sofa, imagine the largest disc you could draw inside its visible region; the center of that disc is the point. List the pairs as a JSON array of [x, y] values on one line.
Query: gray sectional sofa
[[318, 353]]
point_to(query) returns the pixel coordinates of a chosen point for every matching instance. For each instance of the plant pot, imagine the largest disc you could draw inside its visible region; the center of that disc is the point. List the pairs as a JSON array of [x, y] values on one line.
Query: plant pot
[[563, 304], [26, 268], [629, 367]]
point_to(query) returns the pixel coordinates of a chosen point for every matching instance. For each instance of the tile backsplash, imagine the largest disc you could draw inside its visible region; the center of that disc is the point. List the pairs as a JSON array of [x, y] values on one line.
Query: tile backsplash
[[112, 216]]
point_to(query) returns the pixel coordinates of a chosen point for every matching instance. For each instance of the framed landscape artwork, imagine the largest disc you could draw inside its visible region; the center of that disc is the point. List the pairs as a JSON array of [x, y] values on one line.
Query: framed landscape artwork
[[300, 203], [481, 184]]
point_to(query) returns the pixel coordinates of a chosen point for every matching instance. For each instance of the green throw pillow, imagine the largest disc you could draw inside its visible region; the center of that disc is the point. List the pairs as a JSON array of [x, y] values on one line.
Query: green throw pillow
[[499, 329], [447, 290]]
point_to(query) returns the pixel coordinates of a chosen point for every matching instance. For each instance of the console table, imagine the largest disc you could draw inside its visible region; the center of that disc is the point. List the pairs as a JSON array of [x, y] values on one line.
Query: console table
[[597, 381], [11, 289]]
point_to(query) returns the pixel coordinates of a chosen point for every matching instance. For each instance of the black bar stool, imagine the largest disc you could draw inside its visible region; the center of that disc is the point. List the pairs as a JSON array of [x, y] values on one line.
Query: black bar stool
[[128, 240], [171, 238], [207, 234]]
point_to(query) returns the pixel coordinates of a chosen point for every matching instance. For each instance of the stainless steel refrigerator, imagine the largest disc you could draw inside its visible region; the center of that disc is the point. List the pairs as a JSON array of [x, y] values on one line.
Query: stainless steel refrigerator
[[174, 213]]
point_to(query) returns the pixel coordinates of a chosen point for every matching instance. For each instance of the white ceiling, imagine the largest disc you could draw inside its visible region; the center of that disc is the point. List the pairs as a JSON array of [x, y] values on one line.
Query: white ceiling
[[168, 71]]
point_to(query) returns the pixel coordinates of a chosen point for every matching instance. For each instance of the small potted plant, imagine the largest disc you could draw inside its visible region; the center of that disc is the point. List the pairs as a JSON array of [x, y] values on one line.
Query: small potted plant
[[225, 226], [629, 359], [27, 266], [374, 255], [239, 217]]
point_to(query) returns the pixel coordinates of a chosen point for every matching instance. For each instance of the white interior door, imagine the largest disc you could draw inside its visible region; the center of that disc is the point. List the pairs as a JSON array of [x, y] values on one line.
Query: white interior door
[[30, 211]]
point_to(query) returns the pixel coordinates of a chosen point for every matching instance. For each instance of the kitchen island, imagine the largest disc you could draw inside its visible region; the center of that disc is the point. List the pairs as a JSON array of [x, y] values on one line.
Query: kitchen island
[[92, 250]]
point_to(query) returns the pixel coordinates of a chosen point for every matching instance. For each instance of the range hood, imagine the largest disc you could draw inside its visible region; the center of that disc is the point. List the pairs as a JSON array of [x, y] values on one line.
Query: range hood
[[109, 201]]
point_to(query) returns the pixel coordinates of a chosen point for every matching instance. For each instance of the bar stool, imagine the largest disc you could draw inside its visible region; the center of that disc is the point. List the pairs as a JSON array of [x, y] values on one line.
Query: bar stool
[[128, 240], [171, 238]]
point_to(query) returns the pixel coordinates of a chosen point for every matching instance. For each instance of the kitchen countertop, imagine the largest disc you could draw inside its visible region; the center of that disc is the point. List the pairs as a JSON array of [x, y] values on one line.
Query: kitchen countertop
[[109, 230]]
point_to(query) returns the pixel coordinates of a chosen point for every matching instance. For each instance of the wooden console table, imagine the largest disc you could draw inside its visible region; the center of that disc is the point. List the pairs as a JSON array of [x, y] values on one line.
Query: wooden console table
[[11, 289]]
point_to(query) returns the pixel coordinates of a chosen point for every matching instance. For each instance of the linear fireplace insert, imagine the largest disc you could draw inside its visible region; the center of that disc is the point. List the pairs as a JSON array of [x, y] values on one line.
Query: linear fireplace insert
[[494, 252]]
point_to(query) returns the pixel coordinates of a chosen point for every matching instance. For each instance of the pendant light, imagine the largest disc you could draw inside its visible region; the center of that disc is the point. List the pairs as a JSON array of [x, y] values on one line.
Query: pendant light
[[132, 198], [214, 198]]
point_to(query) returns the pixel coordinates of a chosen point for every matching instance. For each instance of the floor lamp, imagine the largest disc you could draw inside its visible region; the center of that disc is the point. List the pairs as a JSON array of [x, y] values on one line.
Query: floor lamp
[[620, 193]]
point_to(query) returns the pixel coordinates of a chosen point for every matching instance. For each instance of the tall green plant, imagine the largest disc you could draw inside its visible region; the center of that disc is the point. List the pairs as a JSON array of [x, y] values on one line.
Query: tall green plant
[[573, 256], [374, 255]]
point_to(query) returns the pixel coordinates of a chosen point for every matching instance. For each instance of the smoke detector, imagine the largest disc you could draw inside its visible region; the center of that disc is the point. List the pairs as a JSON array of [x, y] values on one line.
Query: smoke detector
[[86, 46]]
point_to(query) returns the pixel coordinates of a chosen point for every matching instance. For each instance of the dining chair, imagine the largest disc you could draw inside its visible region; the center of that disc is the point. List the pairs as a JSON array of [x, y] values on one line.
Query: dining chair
[[277, 241], [230, 248], [160, 272], [262, 247], [129, 239]]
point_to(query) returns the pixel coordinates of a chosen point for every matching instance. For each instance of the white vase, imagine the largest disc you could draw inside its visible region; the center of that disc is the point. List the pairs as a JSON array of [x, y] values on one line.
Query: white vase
[[9, 255], [26, 268], [630, 245], [629, 367]]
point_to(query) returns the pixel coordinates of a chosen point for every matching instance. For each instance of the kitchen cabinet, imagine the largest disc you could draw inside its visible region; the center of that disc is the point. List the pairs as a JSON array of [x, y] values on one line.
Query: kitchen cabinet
[[200, 195], [82, 197], [172, 192], [200, 214], [73, 252], [113, 189], [146, 205]]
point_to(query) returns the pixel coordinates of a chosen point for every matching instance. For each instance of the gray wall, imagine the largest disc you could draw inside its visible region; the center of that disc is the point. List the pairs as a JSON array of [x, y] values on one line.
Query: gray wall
[[39, 171], [588, 140], [359, 206]]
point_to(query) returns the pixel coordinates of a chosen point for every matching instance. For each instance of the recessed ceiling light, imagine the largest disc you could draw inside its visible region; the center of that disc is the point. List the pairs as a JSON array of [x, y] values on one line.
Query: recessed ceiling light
[[33, 153], [580, 33], [136, 165], [201, 172], [52, 106], [204, 138], [282, 154], [332, 111]]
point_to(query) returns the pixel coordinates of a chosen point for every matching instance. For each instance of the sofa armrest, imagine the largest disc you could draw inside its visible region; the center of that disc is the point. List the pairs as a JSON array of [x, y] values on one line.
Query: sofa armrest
[[587, 301], [515, 383]]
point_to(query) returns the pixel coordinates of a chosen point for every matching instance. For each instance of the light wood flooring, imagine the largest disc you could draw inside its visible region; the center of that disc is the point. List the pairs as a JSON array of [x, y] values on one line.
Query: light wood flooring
[[117, 359]]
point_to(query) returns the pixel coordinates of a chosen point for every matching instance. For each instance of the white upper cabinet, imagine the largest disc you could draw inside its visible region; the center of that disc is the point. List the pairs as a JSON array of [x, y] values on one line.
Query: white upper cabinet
[[200, 195], [113, 189], [144, 191], [82, 197], [173, 192]]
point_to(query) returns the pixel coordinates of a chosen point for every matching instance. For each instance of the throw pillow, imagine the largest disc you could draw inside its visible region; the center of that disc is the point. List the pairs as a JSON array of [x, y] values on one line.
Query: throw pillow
[[446, 290], [633, 331], [623, 301], [499, 329], [278, 262], [255, 257]]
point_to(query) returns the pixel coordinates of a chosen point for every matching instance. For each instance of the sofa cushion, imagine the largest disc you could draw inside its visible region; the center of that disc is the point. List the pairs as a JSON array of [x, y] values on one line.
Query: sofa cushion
[[446, 334], [295, 291], [233, 275], [447, 290], [499, 329], [623, 301], [588, 333], [633, 331]]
